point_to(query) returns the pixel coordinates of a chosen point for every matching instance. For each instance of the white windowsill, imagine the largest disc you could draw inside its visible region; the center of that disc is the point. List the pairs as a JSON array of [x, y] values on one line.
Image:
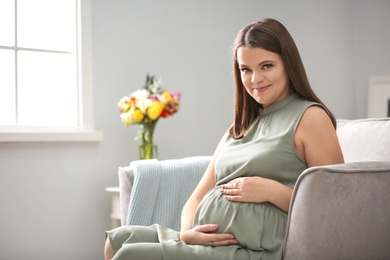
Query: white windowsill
[[84, 136]]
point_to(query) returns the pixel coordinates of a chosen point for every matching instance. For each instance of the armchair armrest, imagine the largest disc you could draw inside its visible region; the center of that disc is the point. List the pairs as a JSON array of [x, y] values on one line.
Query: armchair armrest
[[126, 180], [340, 212]]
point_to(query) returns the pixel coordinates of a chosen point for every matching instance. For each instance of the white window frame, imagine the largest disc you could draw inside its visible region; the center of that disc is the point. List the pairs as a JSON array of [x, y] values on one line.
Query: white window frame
[[86, 132]]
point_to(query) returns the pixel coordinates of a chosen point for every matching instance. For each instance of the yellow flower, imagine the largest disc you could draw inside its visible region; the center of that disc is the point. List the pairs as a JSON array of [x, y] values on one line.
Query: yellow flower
[[167, 96], [155, 109], [137, 116]]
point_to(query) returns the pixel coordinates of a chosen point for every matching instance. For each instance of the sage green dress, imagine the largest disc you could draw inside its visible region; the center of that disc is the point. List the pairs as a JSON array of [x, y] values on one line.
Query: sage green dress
[[266, 150]]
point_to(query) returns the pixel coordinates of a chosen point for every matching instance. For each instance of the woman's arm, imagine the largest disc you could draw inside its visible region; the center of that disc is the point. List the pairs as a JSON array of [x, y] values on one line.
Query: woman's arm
[[202, 235], [315, 141], [205, 184]]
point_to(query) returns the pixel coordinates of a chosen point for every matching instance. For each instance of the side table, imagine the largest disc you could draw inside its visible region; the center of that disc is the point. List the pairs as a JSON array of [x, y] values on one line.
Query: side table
[[115, 206]]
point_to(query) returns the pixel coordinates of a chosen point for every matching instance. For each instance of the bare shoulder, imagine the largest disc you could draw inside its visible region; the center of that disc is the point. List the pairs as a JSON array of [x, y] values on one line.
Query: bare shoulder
[[315, 124], [316, 116], [316, 139]]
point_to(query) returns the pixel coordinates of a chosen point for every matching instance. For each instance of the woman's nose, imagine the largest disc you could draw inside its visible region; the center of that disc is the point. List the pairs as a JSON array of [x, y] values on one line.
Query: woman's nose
[[257, 77]]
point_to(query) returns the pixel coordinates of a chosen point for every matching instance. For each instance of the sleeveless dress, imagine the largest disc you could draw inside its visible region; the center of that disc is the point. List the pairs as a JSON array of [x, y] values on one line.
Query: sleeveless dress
[[267, 150]]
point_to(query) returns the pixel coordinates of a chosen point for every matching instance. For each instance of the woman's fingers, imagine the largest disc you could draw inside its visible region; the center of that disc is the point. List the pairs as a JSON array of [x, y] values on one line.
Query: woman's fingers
[[231, 185], [206, 228], [221, 239], [223, 242], [212, 239], [230, 191]]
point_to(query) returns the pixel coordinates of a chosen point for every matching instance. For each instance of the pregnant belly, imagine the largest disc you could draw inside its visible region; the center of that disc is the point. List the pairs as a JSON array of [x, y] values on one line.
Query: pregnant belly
[[257, 226]]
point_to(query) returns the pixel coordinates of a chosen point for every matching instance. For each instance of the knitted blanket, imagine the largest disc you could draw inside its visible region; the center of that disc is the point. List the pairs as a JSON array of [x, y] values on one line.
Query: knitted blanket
[[161, 189]]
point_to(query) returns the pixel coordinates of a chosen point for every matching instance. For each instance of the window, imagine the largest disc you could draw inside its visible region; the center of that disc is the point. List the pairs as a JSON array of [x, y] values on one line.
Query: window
[[45, 92]]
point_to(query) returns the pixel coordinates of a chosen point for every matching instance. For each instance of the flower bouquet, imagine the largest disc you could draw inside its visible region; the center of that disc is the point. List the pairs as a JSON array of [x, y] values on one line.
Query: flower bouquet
[[145, 107]]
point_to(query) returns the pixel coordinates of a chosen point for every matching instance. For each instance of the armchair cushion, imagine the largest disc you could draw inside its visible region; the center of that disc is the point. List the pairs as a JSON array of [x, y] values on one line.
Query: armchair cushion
[[365, 139]]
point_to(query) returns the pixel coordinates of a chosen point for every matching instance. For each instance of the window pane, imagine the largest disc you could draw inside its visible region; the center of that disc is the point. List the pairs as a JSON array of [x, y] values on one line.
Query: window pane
[[47, 24], [7, 22], [7, 88], [47, 89]]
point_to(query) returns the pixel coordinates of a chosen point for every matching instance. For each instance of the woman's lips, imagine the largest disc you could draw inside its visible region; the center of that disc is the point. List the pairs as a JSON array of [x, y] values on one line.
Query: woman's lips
[[262, 89]]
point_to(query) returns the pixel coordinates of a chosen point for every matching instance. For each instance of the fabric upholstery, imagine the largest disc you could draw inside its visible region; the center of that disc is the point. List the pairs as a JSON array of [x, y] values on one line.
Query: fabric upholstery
[[340, 212], [126, 180]]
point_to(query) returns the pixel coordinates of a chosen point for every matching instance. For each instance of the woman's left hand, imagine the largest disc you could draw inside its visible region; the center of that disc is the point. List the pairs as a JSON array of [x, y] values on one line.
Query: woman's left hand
[[247, 189]]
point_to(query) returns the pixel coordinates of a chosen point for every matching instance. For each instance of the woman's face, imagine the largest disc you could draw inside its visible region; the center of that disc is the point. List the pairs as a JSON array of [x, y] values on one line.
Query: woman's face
[[263, 75]]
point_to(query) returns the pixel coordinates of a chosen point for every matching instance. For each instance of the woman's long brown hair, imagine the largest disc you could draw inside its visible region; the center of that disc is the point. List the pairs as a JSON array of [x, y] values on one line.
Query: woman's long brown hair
[[270, 35]]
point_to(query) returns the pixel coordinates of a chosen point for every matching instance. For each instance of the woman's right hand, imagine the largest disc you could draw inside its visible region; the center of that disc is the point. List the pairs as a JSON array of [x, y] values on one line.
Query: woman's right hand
[[203, 235]]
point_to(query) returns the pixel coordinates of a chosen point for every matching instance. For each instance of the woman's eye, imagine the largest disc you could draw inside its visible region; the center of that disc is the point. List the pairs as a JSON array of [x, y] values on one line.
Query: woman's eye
[[244, 69], [267, 66]]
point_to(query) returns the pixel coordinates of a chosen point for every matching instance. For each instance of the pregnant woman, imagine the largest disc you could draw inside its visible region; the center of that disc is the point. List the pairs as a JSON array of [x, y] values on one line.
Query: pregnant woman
[[280, 127]]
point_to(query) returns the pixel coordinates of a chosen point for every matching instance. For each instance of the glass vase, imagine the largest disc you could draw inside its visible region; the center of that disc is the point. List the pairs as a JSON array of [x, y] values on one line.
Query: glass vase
[[148, 150]]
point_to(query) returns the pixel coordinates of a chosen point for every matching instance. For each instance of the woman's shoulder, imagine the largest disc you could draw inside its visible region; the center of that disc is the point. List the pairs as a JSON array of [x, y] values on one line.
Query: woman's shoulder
[[315, 113], [314, 120]]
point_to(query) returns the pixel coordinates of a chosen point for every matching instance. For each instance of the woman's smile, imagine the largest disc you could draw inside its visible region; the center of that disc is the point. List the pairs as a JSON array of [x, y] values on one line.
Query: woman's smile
[[262, 89]]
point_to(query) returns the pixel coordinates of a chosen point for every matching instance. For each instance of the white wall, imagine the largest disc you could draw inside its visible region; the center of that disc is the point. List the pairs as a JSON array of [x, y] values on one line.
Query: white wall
[[371, 41], [53, 203]]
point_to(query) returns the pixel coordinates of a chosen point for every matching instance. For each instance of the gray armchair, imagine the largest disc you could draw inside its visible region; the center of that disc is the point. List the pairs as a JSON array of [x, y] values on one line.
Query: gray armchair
[[336, 212]]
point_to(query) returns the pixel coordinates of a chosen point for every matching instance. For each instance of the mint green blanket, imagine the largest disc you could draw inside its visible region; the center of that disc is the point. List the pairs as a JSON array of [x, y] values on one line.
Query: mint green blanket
[[161, 189]]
